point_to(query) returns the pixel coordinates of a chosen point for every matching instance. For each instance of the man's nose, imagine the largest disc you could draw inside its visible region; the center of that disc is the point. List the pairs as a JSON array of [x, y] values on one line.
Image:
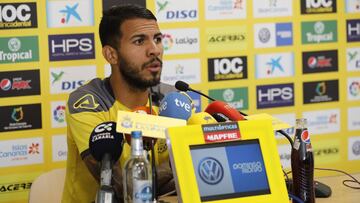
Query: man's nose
[[154, 49]]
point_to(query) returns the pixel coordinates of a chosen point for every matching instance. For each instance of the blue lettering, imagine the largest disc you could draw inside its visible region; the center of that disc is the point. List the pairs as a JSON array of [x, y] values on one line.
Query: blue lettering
[[181, 14]]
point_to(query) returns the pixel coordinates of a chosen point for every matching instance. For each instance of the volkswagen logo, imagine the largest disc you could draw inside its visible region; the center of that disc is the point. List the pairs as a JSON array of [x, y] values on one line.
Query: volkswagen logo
[[210, 171]]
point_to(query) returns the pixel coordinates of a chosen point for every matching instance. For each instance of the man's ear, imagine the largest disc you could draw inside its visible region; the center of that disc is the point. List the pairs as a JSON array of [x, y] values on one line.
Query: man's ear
[[110, 54]]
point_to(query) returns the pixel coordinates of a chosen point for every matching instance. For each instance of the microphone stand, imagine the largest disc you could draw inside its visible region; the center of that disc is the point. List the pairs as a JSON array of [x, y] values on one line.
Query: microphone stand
[[153, 165], [106, 193]]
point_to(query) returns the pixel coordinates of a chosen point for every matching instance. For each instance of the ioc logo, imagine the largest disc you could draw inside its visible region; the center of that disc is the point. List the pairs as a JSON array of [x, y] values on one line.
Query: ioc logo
[[210, 171]]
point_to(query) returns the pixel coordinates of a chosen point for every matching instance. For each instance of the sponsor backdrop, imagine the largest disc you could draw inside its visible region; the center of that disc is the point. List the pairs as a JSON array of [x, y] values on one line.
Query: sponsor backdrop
[[287, 58]]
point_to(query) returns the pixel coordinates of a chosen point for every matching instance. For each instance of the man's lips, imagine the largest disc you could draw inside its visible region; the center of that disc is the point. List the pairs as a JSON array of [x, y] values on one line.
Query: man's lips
[[156, 66]]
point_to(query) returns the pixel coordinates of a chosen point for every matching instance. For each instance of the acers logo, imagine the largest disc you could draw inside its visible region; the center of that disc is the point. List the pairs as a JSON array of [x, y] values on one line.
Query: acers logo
[[18, 15], [230, 68], [318, 6], [226, 38]]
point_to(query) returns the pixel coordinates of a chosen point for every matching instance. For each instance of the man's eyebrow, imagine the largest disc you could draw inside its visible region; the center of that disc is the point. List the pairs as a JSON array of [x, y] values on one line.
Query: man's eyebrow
[[138, 36], [158, 34]]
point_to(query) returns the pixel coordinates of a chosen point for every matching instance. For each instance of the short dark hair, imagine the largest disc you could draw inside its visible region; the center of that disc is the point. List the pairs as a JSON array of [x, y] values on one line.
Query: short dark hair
[[109, 29]]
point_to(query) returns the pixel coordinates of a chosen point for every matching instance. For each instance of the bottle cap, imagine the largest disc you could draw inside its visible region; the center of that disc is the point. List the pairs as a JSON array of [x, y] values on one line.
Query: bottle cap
[[136, 134]]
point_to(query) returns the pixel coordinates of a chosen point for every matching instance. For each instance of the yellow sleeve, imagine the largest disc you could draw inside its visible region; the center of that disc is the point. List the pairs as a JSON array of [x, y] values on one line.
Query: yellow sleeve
[[80, 126]]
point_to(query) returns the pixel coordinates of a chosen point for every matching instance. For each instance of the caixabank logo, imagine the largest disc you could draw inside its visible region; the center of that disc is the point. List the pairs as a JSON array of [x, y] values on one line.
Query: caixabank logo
[[19, 49], [227, 38], [18, 15], [176, 11], [71, 47], [353, 30], [20, 117], [318, 6], [315, 32], [274, 65], [227, 68], [19, 83], [236, 97], [64, 13], [321, 91], [320, 61], [278, 95]]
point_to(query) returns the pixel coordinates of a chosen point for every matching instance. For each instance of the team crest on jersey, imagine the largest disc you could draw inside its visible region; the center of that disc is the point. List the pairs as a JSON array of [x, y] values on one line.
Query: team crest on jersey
[[162, 146], [86, 102]]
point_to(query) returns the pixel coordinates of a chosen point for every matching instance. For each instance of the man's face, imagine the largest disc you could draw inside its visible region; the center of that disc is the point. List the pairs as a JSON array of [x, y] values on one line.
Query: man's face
[[140, 53]]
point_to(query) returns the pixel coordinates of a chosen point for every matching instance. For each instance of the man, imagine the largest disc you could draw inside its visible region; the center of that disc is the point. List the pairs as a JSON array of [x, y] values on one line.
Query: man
[[131, 42]]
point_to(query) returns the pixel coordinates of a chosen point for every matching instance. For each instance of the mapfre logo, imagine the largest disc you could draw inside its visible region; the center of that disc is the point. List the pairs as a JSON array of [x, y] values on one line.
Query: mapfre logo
[[176, 11], [18, 15], [229, 68], [71, 47], [272, 8], [318, 6], [274, 65], [353, 59], [65, 80], [187, 70], [181, 41], [278, 95], [353, 30], [225, 9], [354, 118], [353, 89], [324, 121], [21, 152], [228, 38], [75, 13]]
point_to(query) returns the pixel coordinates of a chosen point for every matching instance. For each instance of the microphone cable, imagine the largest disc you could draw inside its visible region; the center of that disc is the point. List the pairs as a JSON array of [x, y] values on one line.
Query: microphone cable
[[153, 167]]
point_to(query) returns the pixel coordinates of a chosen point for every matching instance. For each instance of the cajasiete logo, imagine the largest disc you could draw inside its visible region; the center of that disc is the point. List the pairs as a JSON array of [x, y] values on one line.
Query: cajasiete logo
[[19, 49], [210, 170], [18, 15]]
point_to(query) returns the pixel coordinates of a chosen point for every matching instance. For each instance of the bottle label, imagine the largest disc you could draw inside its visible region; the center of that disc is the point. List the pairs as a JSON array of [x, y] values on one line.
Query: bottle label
[[142, 191], [305, 137], [296, 144]]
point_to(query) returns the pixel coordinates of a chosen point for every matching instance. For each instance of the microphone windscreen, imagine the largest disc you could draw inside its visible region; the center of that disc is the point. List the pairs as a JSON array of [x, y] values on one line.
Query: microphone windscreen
[[175, 105], [105, 140], [201, 118], [219, 117], [182, 86], [225, 109]]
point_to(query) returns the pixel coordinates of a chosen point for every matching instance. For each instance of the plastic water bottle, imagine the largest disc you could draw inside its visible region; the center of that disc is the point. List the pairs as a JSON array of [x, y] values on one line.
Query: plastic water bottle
[[137, 173], [302, 163]]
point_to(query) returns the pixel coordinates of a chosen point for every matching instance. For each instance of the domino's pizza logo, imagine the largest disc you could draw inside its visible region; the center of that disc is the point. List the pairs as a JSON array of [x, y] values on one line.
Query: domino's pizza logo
[[210, 170], [305, 137], [5, 84]]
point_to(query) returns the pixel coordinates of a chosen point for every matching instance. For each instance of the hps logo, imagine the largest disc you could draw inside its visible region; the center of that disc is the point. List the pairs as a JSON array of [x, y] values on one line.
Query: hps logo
[[210, 170], [275, 95]]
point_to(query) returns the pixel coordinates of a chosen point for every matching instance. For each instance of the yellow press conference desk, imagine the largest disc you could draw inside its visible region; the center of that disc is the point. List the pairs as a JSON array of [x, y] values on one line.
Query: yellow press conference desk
[[340, 193]]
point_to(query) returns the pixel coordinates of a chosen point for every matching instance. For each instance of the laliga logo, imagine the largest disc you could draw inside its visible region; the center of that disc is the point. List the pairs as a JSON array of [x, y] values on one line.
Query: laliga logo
[[103, 127], [210, 171]]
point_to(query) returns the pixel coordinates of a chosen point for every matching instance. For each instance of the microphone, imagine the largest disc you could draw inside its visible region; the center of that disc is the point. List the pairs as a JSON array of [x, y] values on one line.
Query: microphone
[[175, 105], [201, 118], [183, 86], [105, 146], [224, 111]]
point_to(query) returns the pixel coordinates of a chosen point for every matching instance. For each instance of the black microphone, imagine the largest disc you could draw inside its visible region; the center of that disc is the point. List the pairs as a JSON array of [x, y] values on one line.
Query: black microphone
[[106, 146], [183, 86]]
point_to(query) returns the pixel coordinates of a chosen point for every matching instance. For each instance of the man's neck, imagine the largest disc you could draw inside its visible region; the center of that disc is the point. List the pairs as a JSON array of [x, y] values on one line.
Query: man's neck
[[127, 95]]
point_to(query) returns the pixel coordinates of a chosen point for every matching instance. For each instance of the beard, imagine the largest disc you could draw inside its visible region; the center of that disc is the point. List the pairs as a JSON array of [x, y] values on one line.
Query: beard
[[132, 74]]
